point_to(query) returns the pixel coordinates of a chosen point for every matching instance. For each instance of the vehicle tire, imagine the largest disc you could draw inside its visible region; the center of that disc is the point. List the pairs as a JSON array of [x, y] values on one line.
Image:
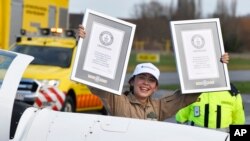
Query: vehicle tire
[[103, 111], [69, 105]]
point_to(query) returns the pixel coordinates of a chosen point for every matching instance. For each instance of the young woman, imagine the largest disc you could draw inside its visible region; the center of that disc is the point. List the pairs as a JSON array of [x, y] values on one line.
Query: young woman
[[137, 101]]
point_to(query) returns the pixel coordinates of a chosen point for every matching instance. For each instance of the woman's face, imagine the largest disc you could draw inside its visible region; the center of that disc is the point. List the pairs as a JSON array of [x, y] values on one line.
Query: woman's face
[[144, 85]]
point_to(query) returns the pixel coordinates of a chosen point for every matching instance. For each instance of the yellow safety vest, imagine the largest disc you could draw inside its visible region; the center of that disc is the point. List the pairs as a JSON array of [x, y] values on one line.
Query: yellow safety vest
[[214, 110]]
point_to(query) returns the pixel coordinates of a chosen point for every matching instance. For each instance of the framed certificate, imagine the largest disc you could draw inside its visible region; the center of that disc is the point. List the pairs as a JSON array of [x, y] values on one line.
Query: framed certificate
[[102, 56], [198, 48]]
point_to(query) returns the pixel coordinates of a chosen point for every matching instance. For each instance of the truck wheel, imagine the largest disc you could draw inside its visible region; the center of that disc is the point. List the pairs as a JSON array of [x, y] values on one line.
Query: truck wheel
[[103, 111], [69, 105]]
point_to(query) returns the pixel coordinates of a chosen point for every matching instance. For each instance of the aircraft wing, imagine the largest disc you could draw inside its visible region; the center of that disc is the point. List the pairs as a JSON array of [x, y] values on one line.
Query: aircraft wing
[[12, 66], [48, 125]]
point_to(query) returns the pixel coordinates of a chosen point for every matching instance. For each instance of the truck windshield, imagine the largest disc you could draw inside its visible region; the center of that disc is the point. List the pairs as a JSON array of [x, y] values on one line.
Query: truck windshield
[[5, 61], [52, 56]]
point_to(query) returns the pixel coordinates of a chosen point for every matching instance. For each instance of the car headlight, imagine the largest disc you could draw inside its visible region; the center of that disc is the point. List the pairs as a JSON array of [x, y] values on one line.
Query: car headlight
[[49, 82]]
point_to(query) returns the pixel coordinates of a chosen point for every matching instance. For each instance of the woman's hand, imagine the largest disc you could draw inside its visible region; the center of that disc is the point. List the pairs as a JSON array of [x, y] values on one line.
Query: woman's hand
[[225, 58], [81, 31]]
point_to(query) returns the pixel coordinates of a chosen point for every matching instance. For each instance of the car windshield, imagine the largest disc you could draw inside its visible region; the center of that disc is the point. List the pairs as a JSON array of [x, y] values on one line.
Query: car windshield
[[5, 61], [52, 56]]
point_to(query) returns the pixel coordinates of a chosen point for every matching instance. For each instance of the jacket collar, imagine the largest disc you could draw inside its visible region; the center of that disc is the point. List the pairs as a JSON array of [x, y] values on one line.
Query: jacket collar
[[132, 99]]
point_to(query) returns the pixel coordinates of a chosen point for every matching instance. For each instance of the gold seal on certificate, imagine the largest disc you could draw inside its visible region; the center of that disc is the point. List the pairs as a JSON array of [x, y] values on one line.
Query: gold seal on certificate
[[102, 57], [198, 46]]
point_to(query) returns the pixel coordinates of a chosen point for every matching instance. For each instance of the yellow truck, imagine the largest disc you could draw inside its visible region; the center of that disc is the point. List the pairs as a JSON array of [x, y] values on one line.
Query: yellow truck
[[30, 15], [49, 68], [54, 51]]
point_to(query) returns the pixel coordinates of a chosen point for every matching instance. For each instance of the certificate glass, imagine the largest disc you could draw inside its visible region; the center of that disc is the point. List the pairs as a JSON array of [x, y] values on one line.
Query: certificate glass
[[102, 56], [198, 48]]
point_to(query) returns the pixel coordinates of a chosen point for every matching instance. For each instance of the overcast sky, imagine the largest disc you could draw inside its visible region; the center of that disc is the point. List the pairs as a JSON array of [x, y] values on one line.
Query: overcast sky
[[124, 8]]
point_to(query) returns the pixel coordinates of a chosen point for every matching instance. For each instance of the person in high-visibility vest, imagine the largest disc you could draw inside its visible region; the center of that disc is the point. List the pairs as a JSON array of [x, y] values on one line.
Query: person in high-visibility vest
[[216, 110]]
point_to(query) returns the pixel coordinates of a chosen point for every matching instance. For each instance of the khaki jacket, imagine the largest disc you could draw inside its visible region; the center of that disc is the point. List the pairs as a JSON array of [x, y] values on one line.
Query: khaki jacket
[[155, 109]]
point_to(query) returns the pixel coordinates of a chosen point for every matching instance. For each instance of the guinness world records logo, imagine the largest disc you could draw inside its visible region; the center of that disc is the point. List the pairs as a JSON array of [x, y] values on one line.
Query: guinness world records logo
[[106, 38], [198, 41]]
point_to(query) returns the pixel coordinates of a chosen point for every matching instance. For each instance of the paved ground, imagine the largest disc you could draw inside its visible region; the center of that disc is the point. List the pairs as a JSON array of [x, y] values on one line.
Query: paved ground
[[246, 99]]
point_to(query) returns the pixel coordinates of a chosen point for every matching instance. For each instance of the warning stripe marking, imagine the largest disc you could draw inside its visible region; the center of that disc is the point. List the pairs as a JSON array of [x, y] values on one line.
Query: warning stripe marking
[[50, 95]]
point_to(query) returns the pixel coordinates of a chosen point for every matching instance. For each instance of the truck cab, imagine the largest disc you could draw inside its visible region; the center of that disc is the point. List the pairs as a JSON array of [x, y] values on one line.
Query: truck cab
[[54, 51]]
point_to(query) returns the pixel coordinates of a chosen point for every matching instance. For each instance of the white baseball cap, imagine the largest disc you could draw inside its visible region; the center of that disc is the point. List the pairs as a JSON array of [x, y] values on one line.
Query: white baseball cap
[[147, 68]]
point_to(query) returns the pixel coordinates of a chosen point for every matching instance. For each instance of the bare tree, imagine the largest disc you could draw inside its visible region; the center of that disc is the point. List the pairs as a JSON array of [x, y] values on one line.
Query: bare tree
[[152, 20], [198, 8], [222, 9], [153, 9], [188, 9], [229, 24], [140, 11], [233, 7]]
